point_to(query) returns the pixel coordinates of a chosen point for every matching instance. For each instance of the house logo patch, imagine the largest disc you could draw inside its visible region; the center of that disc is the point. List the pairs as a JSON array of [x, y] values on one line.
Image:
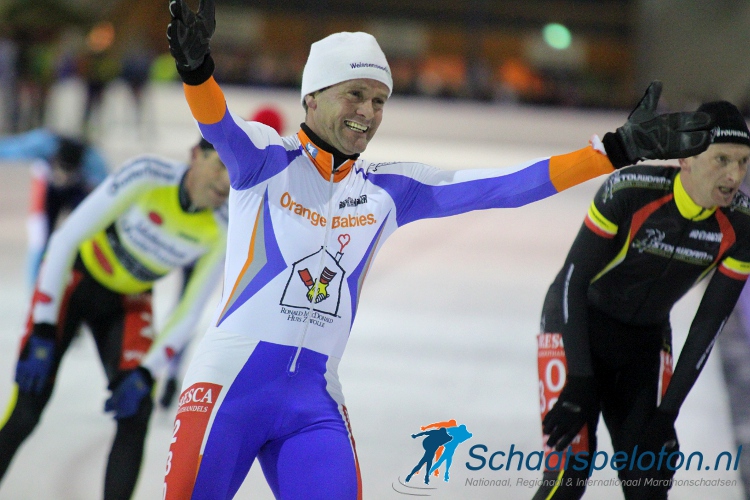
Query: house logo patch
[[312, 292]]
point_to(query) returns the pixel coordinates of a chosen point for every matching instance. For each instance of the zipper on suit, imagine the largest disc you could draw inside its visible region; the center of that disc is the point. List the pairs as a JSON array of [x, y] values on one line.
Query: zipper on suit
[[292, 370]]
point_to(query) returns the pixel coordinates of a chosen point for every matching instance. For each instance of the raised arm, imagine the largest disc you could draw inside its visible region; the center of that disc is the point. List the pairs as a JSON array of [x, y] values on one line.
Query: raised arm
[[423, 192], [245, 148]]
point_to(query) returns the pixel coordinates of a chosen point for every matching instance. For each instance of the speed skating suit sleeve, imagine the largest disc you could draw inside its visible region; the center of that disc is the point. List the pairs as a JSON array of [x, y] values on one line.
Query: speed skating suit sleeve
[[38, 143], [717, 304], [592, 249], [596, 249], [181, 324], [95, 213], [37, 222]]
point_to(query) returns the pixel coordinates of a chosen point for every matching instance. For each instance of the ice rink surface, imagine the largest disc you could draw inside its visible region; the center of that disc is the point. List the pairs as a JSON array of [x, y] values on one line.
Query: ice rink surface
[[446, 328]]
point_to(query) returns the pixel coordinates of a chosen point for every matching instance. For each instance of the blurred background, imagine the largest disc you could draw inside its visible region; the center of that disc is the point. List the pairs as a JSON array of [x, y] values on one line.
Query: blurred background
[[476, 83], [575, 53]]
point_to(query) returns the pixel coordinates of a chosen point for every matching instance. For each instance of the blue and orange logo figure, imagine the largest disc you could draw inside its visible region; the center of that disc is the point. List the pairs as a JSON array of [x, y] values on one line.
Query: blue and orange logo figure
[[440, 444]]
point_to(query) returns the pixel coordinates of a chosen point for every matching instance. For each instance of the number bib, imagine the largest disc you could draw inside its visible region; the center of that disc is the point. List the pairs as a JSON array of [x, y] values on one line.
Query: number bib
[[552, 375]]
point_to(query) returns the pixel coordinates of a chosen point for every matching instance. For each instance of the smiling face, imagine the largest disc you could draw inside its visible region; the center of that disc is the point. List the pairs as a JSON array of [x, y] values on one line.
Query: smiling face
[[207, 181], [713, 177], [348, 114]]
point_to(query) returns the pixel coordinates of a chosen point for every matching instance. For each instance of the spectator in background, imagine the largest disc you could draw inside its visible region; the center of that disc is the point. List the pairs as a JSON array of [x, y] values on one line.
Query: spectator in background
[[136, 65], [34, 76], [8, 56], [99, 69]]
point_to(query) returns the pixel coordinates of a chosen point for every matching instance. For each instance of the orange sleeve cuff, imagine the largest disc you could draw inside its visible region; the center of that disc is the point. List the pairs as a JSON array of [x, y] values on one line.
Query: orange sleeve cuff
[[570, 169], [206, 101]]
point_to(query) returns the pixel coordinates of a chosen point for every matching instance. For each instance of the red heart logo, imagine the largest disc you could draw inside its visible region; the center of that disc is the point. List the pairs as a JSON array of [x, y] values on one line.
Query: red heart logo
[[344, 240]]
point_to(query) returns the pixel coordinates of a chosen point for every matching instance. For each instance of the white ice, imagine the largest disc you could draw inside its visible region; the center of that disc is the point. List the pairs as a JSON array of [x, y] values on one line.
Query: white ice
[[446, 327]]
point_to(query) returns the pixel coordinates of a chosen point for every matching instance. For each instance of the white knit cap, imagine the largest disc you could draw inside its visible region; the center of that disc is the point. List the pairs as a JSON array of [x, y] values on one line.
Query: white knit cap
[[344, 56]]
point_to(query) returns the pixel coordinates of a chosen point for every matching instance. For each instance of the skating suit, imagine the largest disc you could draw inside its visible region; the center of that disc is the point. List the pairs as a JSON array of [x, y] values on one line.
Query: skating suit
[[128, 233], [644, 243], [302, 237]]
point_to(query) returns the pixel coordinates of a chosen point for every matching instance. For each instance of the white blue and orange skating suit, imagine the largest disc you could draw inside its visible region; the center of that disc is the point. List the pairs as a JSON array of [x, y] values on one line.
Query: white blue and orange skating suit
[[302, 236]]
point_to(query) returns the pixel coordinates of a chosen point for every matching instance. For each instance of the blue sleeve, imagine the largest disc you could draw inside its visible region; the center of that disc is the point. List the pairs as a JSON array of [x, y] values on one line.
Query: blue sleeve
[[94, 167], [427, 192], [39, 143], [251, 152]]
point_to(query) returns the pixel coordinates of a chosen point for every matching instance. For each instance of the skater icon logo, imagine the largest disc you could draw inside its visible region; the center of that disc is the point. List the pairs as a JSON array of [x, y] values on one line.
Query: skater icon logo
[[320, 290], [439, 441]]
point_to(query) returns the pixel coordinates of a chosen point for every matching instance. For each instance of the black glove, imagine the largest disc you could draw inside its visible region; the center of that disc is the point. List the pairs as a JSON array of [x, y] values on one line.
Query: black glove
[[35, 363], [648, 136], [577, 404], [659, 432], [189, 35]]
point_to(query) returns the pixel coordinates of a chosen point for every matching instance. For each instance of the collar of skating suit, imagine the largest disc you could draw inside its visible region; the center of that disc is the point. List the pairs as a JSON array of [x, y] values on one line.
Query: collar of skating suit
[[685, 204], [325, 157]]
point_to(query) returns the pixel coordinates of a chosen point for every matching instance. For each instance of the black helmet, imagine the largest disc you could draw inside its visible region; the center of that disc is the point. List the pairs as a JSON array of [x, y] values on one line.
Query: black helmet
[[70, 153]]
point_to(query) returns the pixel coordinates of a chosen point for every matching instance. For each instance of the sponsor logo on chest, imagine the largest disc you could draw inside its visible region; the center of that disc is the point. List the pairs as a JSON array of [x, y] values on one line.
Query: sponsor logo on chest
[[152, 237], [316, 219], [353, 202], [654, 243], [699, 234]]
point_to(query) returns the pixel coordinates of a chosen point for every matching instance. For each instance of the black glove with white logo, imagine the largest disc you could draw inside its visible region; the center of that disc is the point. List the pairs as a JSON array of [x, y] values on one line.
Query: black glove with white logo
[[577, 404], [189, 35], [648, 136]]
